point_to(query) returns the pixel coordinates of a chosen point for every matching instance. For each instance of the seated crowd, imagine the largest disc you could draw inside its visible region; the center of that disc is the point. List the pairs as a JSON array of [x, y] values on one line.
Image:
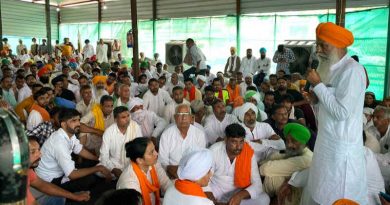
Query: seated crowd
[[242, 136]]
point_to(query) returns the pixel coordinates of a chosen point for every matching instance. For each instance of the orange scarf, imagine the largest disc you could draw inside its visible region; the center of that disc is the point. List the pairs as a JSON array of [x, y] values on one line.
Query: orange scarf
[[189, 188], [242, 172], [192, 93], [233, 93], [45, 115], [146, 186]]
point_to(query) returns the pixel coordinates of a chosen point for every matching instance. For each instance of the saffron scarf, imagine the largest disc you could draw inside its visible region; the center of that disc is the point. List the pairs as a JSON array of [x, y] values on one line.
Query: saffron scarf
[[189, 188], [99, 117], [192, 93], [233, 93], [45, 115], [146, 186], [242, 172]]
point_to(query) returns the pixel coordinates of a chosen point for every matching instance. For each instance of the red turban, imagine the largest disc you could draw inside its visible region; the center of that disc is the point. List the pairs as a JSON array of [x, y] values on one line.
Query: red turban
[[334, 35], [43, 71]]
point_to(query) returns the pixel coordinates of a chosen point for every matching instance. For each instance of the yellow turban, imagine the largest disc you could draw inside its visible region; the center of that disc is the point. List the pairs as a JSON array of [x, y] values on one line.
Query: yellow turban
[[345, 202], [98, 79], [335, 35]]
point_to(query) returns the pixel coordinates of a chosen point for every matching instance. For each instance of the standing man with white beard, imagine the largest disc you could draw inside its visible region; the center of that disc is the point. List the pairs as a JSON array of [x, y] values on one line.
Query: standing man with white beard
[[338, 168], [233, 63]]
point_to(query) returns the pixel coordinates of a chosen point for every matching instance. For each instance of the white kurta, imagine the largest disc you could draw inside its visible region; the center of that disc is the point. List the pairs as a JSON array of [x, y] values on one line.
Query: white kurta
[[243, 87], [170, 86], [215, 128], [88, 51], [157, 103], [33, 120], [169, 112], [175, 197], [83, 108], [112, 151], [222, 182], [129, 180], [150, 123], [101, 53], [24, 93], [264, 65], [338, 167], [173, 146], [248, 65], [375, 181], [385, 142], [263, 131]]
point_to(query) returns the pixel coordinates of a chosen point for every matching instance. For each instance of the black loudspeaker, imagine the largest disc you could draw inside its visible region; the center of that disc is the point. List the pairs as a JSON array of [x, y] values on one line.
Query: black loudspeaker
[[14, 160]]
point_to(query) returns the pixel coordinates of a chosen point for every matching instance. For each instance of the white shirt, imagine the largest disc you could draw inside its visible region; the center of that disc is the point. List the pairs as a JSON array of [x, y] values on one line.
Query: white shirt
[[157, 103], [197, 55], [173, 146], [83, 108], [158, 75], [175, 197], [56, 161], [264, 65], [24, 93], [129, 180], [222, 181], [339, 150], [150, 123], [248, 65], [264, 131], [215, 128], [101, 53], [169, 113], [243, 87], [19, 49], [76, 91], [375, 181], [33, 120], [170, 86], [112, 151], [88, 51], [385, 141]]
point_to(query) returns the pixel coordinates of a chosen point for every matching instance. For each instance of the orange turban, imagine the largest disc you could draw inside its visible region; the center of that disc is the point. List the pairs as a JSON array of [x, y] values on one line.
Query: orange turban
[[335, 35], [43, 70], [345, 202], [98, 79]]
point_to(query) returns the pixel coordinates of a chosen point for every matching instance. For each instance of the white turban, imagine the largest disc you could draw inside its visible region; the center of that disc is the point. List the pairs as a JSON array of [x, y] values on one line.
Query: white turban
[[245, 108], [201, 77], [195, 165], [135, 102], [248, 75], [368, 111]]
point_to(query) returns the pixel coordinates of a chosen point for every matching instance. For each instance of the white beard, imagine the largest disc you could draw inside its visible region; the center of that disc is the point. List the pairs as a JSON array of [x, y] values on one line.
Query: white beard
[[325, 62], [138, 116]]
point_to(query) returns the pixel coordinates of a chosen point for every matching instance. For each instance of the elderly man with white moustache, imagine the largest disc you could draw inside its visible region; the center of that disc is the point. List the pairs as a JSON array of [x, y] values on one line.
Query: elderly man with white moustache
[[178, 139]]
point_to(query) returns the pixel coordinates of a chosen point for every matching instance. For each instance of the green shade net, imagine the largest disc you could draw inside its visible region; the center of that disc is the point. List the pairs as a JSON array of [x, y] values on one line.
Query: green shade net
[[370, 31], [215, 35]]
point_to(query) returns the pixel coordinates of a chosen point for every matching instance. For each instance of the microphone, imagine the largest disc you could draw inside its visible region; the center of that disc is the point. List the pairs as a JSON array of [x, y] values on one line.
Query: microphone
[[314, 65]]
